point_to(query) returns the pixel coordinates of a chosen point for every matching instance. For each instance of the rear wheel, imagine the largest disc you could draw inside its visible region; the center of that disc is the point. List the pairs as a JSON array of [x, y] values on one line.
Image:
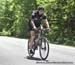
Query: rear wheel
[[30, 54], [44, 48]]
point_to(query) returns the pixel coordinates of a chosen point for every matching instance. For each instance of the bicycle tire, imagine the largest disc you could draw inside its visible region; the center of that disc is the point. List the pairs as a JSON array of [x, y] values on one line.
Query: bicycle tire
[[31, 55], [43, 58]]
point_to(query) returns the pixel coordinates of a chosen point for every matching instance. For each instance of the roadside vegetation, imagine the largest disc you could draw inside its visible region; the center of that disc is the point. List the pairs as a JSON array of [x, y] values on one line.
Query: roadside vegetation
[[14, 17]]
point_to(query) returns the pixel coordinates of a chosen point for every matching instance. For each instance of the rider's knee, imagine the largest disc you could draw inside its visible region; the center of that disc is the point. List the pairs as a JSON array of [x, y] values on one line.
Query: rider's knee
[[32, 34]]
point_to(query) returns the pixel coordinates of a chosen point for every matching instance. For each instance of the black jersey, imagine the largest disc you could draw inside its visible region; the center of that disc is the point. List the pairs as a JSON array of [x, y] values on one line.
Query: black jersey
[[37, 18]]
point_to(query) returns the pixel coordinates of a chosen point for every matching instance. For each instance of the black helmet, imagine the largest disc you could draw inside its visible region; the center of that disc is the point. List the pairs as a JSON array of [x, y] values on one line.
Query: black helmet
[[40, 8]]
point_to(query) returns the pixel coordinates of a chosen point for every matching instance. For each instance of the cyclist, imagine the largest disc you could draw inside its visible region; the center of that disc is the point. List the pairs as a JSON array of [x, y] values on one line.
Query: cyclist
[[38, 16]]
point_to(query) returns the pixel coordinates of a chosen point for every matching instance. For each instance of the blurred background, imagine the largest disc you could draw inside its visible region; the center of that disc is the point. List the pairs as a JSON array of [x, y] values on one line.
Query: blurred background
[[15, 14]]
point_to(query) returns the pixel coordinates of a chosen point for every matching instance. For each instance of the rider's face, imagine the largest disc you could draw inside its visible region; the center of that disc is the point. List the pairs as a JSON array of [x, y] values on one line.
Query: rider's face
[[41, 12]]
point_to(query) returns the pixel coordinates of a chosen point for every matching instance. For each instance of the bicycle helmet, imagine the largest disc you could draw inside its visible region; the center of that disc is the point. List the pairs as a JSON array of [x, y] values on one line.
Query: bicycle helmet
[[40, 8]]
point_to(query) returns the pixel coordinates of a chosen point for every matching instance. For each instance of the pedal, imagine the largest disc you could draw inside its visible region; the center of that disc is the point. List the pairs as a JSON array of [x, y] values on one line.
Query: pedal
[[35, 47]]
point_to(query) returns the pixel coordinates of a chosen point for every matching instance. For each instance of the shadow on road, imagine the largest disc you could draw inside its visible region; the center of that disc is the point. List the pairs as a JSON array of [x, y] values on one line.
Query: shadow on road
[[35, 58]]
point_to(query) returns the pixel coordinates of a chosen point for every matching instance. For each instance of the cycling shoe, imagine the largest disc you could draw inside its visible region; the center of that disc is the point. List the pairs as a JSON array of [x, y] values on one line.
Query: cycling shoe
[[31, 51]]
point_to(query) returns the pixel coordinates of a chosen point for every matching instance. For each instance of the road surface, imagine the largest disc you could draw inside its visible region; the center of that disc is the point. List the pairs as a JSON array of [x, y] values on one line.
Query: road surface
[[13, 51]]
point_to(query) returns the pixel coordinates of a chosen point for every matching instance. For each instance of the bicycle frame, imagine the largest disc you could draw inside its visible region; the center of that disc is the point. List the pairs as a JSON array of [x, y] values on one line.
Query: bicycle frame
[[39, 38], [39, 35]]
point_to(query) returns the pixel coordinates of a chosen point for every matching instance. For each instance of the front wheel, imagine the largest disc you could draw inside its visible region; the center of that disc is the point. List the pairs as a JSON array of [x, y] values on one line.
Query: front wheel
[[44, 48]]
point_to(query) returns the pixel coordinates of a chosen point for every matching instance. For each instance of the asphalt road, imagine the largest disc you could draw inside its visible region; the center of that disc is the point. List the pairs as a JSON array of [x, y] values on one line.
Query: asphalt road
[[13, 51]]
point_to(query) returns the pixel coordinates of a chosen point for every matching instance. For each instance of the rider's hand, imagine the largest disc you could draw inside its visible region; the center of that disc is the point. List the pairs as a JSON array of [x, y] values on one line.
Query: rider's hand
[[48, 29]]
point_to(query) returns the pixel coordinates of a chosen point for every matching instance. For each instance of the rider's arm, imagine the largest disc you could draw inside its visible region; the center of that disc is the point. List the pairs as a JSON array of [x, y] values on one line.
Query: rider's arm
[[33, 25], [32, 20], [46, 23]]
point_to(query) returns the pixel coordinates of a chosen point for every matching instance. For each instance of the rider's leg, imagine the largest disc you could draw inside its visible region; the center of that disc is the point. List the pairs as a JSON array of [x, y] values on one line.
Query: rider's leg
[[32, 36]]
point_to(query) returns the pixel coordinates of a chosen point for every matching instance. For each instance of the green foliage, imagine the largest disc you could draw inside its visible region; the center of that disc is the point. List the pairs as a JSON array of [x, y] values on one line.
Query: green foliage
[[15, 14]]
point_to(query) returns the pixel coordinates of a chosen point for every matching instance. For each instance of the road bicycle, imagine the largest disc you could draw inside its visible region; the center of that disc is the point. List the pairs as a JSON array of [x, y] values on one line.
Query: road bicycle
[[42, 43]]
